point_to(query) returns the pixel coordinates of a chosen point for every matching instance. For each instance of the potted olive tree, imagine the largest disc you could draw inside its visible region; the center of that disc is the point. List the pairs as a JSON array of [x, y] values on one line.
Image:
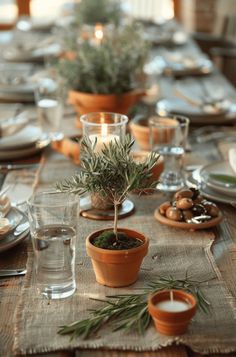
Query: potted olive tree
[[100, 11], [108, 76], [116, 253]]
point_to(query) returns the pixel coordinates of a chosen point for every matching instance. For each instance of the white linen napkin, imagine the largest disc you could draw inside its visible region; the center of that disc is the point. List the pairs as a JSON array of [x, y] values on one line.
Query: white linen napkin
[[232, 158], [12, 125]]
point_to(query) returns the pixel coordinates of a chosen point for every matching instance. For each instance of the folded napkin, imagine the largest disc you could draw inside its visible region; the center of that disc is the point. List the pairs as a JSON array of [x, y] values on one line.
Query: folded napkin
[[5, 226], [12, 125], [5, 206], [232, 159]]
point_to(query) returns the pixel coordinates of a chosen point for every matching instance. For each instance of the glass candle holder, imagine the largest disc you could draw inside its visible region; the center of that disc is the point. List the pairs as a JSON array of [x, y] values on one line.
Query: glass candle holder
[[102, 128]]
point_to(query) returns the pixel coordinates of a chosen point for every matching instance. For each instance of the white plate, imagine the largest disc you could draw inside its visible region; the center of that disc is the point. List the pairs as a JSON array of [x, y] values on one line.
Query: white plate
[[42, 143], [26, 137], [9, 240], [194, 180], [224, 168], [175, 105]]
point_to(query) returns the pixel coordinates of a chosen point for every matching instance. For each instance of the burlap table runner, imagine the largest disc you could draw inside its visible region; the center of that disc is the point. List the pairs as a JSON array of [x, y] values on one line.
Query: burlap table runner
[[172, 251]]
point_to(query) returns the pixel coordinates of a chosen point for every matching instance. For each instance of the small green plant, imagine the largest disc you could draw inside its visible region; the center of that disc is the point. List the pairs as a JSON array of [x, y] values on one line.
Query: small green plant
[[103, 11], [113, 67], [113, 173]]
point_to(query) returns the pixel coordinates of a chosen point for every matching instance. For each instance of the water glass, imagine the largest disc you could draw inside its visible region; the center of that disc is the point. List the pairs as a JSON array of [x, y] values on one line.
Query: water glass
[[53, 220], [168, 136], [49, 101]]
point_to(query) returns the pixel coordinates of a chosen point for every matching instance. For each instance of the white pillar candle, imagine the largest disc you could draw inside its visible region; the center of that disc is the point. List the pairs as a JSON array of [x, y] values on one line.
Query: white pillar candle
[[173, 306], [102, 139]]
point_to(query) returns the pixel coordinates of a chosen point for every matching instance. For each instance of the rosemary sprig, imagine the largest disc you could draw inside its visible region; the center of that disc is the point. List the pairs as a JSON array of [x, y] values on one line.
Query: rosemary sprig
[[228, 179], [129, 312]]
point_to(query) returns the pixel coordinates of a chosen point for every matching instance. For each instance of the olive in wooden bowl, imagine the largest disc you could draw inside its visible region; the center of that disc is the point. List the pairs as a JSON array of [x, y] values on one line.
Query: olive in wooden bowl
[[189, 210]]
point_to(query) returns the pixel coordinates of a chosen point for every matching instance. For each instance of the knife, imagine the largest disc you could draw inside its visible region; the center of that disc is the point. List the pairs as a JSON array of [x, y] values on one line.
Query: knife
[[8, 167], [12, 272]]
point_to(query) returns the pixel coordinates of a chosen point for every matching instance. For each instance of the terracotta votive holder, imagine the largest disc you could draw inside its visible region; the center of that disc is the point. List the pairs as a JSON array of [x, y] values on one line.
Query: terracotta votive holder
[[171, 311]]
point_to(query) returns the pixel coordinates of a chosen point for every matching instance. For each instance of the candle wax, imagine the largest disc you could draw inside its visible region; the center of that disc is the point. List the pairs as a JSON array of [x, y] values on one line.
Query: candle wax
[[173, 305], [101, 140]]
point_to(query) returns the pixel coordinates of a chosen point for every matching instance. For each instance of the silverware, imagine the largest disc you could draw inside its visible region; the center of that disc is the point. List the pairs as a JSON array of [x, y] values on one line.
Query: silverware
[[4, 190], [12, 272], [8, 167], [21, 228]]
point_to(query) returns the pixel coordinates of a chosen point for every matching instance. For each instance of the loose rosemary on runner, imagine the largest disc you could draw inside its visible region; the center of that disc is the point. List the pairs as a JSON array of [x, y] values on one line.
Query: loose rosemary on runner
[[129, 312]]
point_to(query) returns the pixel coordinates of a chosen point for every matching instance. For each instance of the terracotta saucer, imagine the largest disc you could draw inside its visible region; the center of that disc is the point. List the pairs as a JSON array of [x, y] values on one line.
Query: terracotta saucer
[[191, 226]]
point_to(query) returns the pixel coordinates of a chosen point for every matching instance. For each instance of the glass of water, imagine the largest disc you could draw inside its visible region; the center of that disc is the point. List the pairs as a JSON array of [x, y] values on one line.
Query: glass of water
[[168, 137], [53, 220], [49, 100]]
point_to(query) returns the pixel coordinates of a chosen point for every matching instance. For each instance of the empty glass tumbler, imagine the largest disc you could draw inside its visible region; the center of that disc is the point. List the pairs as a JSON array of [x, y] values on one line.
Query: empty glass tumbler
[[50, 104], [53, 225], [168, 137]]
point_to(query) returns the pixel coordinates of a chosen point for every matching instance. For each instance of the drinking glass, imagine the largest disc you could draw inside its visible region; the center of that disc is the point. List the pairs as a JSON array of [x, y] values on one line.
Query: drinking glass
[[103, 127], [53, 221], [49, 102], [168, 136]]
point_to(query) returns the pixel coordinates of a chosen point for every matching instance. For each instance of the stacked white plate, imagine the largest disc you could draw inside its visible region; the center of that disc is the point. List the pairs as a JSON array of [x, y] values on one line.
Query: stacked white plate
[[26, 142], [210, 187], [15, 82]]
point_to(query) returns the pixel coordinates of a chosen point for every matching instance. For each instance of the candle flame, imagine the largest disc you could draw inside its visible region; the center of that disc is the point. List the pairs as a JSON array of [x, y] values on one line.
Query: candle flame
[[104, 129], [98, 32]]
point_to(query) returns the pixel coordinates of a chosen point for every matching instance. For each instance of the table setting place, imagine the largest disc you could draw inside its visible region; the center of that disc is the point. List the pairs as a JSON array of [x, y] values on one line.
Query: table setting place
[[178, 64], [197, 99], [31, 46], [216, 181], [14, 225]]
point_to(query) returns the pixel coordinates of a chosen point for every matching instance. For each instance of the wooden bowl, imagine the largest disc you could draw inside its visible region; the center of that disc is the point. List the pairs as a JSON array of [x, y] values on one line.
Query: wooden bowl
[[190, 226]]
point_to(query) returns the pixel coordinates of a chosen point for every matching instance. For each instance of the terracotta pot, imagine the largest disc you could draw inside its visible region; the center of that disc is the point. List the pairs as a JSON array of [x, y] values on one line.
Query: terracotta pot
[[140, 131], [117, 268], [117, 103], [139, 127], [171, 322], [140, 156]]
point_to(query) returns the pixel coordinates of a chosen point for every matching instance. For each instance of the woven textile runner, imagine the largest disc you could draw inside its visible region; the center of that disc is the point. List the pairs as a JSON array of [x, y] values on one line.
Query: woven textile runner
[[172, 251]]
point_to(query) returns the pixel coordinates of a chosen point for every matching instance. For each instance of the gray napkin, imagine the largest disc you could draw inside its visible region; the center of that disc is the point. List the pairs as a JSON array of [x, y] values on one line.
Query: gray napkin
[[12, 125]]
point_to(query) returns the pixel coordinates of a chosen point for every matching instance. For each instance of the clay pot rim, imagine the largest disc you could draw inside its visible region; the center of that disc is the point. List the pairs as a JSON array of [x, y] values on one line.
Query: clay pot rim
[[144, 153], [182, 296], [117, 252], [135, 124], [139, 92]]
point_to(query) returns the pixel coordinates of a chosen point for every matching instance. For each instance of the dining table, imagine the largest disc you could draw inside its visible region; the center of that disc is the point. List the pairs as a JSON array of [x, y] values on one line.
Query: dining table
[[29, 324]]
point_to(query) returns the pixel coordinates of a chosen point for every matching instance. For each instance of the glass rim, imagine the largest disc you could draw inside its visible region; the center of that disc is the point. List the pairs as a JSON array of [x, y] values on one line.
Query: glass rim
[[30, 201], [122, 116], [151, 120]]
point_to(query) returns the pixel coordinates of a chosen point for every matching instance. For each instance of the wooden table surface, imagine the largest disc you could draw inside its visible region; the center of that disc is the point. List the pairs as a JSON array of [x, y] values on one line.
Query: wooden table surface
[[10, 288]]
